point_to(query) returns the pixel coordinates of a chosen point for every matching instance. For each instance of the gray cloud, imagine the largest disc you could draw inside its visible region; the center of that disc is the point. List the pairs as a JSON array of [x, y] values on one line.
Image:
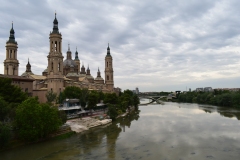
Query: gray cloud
[[156, 45]]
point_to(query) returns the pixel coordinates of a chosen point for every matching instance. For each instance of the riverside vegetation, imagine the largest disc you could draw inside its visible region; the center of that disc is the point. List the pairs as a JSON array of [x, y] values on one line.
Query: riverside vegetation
[[23, 118], [219, 98], [117, 105]]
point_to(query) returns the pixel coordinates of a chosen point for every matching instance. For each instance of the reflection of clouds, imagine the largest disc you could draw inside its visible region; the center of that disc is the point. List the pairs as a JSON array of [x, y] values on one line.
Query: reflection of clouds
[[166, 129]]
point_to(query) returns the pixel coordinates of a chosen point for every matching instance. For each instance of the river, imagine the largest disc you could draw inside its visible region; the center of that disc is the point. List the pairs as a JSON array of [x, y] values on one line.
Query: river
[[173, 131]]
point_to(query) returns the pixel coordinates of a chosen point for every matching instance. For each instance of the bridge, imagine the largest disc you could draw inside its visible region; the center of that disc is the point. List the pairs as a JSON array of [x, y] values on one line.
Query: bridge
[[155, 98]]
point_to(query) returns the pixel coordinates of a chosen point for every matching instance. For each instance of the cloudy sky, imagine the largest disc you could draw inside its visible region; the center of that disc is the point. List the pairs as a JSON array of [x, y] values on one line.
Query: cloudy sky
[[156, 45]]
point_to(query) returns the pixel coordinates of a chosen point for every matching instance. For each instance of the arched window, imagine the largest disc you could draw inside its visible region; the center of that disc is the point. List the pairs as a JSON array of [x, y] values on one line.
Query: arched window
[[107, 77], [55, 46], [107, 64], [52, 66]]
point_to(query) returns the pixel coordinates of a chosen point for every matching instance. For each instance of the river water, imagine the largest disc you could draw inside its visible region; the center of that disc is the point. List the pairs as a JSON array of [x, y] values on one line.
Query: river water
[[173, 131]]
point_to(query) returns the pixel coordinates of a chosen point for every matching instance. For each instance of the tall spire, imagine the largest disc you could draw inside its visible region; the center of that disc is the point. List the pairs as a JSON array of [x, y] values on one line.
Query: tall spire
[[88, 70], [76, 55], [83, 70], [98, 73], [55, 24], [108, 50], [69, 53], [12, 36], [28, 67]]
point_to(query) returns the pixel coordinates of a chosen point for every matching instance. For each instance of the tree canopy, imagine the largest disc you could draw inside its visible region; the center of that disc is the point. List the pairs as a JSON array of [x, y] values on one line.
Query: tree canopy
[[11, 93], [51, 96], [35, 120], [220, 98]]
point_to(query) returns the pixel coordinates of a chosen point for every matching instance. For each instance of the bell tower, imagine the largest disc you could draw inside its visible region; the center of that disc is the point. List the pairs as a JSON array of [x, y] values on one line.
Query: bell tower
[[11, 63], [77, 61], [55, 60], [109, 70]]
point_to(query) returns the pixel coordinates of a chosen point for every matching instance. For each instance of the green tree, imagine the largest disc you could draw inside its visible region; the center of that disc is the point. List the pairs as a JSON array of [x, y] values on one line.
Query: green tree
[[112, 111], [72, 92], [92, 100], [35, 121], [101, 96], [60, 97], [84, 97], [236, 99], [62, 115], [4, 109], [5, 134], [11, 93], [110, 98], [51, 96], [136, 101]]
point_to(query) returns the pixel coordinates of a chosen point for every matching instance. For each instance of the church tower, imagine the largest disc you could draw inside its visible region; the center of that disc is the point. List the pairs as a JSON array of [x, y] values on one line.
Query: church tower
[[109, 70], [77, 61], [11, 63], [55, 60]]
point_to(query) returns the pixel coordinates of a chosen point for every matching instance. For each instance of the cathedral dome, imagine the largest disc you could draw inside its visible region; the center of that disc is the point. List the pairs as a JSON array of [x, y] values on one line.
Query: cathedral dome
[[26, 74], [99, 79], [69, 62], [89, 77]]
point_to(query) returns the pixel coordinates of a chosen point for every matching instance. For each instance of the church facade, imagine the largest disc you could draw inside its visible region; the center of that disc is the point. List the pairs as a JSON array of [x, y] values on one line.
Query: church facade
[[59, 73]]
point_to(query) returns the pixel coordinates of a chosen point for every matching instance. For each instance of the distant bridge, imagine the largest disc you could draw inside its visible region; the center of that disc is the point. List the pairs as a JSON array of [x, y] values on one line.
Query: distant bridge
[[156, 99]]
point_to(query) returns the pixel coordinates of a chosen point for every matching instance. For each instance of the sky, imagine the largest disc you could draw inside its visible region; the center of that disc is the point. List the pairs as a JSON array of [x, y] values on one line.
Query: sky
[[156, 45]]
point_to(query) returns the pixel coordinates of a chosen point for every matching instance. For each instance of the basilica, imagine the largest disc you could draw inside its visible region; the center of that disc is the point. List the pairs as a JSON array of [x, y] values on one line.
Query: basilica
[[59, 73]]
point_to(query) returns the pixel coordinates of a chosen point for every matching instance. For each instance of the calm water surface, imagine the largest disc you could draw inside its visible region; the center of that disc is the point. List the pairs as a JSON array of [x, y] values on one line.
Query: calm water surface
[[174, 131]]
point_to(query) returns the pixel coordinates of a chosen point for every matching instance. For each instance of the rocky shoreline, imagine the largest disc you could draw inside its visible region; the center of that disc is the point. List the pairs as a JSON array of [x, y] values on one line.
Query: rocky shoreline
[[83, 124]]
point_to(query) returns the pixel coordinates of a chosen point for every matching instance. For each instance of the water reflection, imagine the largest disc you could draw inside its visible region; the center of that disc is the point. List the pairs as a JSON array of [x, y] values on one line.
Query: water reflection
[[170, 131], [223, 111]]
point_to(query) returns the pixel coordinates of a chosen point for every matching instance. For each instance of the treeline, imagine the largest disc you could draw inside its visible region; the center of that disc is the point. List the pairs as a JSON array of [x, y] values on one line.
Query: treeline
[[116, 104], [23, 117], [219, 98]]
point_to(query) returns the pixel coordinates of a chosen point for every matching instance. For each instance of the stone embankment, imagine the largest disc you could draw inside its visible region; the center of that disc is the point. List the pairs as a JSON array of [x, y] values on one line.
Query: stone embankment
[[79, 125]]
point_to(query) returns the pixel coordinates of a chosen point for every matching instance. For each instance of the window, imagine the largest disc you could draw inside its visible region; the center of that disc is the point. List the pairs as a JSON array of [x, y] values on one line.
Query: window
[[26, 89], [52, 66], [107, 64], [107, 77], [58, 66], [52, 45], [55, 46]]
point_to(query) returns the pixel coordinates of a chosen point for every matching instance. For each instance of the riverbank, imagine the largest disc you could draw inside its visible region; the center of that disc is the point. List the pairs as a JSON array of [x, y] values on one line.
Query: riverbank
[[71, 127], [82, 124]]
